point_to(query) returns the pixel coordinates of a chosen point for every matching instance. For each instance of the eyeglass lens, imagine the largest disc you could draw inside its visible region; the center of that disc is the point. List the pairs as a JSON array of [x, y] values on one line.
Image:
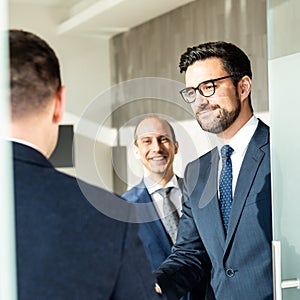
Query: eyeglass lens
[[206, 89]]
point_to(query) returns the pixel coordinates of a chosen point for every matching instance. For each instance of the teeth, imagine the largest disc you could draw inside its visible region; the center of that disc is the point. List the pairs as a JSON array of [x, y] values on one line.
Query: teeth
[[158, 158]]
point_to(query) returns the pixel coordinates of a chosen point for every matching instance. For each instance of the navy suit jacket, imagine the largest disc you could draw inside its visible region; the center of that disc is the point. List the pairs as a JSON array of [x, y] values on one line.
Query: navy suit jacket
[[155, 238], [240, 263], [66, 249], [153, 234]]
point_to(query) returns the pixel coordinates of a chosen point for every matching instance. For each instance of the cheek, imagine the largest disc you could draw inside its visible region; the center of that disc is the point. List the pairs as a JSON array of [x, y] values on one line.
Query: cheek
[[227, 102], [172, 151], [140, 153], [230, 100], [194, 106], [144, 153]]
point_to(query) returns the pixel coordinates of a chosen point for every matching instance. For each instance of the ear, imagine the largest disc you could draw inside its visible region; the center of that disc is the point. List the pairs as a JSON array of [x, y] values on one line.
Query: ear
[[176, 147], [59, 106], [245, 85], [136, 152]]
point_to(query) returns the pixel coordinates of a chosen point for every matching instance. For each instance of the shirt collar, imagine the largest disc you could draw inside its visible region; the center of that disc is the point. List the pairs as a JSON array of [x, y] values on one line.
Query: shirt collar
[[241, 139], [152, 186], [20, 141]]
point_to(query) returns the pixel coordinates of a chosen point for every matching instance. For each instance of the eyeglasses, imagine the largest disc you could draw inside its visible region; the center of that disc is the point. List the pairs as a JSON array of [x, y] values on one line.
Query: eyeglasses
[[206, 88]]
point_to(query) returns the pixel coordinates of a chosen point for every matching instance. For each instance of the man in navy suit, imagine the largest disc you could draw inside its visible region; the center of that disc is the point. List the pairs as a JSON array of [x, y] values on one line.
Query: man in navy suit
[[156, 147], [66, 249], [225, 229]]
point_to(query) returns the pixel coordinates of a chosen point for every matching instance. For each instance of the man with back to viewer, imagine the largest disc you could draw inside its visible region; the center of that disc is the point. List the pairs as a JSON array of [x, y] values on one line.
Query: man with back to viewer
[[66, 249]]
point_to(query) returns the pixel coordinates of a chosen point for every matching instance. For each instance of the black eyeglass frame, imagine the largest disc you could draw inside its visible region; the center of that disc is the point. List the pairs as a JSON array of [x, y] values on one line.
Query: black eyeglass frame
[[200, 91]]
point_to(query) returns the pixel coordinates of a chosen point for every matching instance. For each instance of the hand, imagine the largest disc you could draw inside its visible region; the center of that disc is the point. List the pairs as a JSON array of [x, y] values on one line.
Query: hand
[[157, 289]]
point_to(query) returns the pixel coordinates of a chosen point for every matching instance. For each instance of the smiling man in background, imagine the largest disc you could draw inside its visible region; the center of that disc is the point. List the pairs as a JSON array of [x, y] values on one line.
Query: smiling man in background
[[156, 147]]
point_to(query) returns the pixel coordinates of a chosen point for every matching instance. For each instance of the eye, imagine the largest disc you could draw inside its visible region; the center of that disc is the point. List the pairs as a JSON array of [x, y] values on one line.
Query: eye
[[207, 87], [164, 139], [190, 93], [146, 141]]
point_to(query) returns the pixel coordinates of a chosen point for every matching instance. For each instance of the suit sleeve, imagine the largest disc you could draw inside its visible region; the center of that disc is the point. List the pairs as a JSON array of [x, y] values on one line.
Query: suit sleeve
[[188, 265], [135, 279]]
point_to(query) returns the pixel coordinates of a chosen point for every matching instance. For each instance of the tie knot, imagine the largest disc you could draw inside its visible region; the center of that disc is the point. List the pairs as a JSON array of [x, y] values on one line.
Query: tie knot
[[164, 192], [226, 151]]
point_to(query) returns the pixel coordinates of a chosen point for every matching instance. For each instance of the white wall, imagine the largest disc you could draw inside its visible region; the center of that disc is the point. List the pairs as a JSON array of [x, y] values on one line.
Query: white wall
[[85, 68]]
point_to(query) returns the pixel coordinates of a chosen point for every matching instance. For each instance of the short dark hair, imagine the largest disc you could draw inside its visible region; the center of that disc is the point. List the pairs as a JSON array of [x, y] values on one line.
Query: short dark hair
[[34, 73], [234, 60], [154, 117]]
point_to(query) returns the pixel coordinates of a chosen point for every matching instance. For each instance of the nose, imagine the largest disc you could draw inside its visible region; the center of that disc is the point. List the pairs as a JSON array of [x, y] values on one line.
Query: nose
[[201, 100], [156, 145]]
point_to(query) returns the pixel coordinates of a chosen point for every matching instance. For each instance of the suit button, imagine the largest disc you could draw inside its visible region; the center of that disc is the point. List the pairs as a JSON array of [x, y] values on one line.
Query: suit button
[[229, 272]]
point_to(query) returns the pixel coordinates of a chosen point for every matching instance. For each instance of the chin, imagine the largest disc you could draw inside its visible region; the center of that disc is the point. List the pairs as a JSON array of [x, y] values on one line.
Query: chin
[[159, 171]]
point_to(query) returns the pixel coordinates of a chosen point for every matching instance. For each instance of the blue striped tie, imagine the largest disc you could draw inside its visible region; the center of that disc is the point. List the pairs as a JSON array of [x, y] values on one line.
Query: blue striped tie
[[225, 187]]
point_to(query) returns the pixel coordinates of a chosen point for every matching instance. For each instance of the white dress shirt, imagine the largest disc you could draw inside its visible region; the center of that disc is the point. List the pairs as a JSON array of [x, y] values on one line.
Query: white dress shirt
[[239, 143], [175, 195], [20, 141]]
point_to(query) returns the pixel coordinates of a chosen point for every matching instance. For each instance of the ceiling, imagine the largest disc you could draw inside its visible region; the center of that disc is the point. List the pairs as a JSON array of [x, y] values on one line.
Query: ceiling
[[106, 18]]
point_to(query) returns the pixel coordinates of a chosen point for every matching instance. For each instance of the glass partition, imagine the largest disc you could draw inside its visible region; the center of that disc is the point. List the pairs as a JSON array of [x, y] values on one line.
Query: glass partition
[[284, 63]]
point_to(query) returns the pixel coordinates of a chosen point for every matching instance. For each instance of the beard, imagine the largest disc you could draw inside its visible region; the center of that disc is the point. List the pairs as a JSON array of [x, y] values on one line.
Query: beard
[[223, 121]]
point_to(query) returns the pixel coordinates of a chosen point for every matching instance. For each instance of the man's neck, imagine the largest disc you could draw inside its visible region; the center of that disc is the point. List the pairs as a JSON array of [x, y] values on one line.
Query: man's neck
[[230, 132], [161, 179]]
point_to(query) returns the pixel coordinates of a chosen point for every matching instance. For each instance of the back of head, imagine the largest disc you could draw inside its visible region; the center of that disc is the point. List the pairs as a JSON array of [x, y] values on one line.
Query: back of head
[[34, 73], [233, 59]]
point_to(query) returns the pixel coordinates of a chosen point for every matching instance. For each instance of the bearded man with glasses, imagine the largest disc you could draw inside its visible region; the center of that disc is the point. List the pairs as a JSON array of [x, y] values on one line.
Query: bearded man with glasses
[[226, 226]]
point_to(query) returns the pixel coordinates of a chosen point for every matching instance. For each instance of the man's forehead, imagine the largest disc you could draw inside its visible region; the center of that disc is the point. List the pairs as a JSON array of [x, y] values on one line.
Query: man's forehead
[[202, 70], [152, 134], [153, 127]]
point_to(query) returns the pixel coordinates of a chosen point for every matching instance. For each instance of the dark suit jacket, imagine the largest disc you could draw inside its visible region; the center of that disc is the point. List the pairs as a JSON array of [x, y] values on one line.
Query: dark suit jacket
[[240, 263], [66, 249], [155, 238]]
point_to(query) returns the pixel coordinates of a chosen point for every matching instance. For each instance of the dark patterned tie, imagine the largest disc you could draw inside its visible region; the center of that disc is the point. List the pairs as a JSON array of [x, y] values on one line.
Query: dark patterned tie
[[171, 218], [225, 187]]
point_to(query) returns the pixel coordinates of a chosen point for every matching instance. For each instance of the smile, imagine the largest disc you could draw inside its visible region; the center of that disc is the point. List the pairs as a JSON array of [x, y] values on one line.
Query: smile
[[158, 158], [205, 112]]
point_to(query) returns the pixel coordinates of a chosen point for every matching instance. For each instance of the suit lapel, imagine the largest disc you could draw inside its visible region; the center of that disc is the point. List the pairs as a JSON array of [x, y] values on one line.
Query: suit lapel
[[155, 226], [180, 185], [207, 193], [145, 208], [180, 182], [252, 160]]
